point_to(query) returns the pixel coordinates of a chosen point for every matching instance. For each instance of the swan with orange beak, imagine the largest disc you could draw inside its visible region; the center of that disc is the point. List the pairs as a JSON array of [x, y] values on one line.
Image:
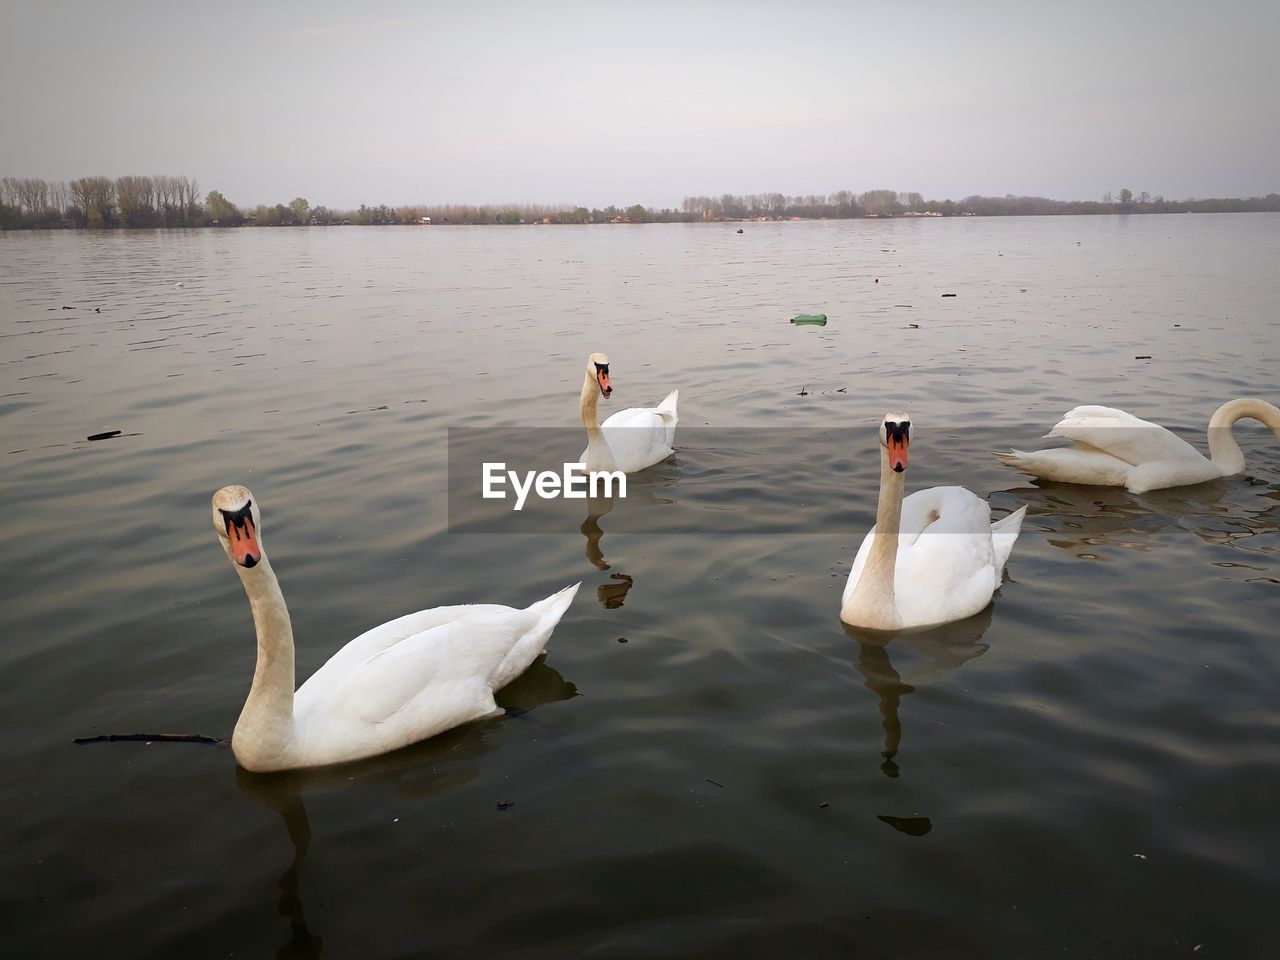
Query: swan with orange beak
[[932, 557], [631, 439], [394, 685]]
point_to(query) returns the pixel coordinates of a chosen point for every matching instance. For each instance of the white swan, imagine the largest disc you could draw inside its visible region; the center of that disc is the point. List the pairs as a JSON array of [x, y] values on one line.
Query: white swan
[[1116, 449], [391, 686], [932, 558], [631, 439]]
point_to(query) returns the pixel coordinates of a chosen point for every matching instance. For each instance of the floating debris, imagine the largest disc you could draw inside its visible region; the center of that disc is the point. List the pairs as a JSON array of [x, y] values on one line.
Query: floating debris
[[1145, 356], [105, 436], [948, 294], [716, 782], [739, 229], [810, 319], [912, 826], [506, 804]]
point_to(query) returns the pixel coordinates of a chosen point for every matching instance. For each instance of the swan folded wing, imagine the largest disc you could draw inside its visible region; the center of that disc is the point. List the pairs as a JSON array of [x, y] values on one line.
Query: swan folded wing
[[943, 509], [1122, 435], [462, 653], [640, 437], [944, 576], [933, 520], [947, 571], [385, 635]]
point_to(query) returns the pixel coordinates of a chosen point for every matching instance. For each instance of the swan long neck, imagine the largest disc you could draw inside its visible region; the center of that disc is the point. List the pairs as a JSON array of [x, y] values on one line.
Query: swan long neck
[[1223, 449], [265, 729], [598, 453], [875, 586]]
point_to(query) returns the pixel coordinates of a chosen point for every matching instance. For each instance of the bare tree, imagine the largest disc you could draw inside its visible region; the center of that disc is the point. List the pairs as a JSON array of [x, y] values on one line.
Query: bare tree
[[879, 201], [58, 197], [95, 197], [135, 197], [33, 195]]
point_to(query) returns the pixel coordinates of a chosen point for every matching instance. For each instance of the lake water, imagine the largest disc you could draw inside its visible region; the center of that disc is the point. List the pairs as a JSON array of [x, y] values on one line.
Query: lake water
[[1090, 768]]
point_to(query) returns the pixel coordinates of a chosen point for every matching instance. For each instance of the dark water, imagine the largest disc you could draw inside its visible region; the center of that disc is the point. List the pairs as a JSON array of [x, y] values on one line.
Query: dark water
[[1090, 768]]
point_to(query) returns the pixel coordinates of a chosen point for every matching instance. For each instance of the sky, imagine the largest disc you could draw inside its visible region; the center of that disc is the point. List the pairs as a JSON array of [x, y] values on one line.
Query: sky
[[645, 102]]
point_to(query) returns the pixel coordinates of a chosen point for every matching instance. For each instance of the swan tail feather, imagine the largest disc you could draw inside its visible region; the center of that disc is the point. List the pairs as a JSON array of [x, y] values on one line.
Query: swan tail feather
[[526, 648], [669, 404], [1004, 533], [554, 606], [1018, 459]]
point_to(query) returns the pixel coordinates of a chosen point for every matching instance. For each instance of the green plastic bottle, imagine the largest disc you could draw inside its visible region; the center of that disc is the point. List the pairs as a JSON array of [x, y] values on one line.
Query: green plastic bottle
[[814, 319]]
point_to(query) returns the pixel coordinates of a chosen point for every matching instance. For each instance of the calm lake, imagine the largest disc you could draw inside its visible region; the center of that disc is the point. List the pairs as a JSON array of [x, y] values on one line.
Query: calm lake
[[706, 763]]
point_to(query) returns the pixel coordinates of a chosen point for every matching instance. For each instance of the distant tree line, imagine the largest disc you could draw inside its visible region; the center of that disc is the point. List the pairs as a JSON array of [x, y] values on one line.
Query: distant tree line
[[845, 204], [133, 201], [169, 201]]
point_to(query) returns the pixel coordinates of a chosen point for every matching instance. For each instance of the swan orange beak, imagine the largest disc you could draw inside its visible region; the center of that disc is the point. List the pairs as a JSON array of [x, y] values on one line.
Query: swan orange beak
[[602, 378], [898, 453], [244, 542]]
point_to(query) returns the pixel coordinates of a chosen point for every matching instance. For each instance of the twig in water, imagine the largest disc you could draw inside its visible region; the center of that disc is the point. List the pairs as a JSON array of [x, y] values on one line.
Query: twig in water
[[150, 737]]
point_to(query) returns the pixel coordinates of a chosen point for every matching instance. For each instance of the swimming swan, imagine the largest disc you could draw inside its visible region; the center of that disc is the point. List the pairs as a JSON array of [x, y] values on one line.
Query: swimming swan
[[631, 439], [932, 558], [1116, 449], [404, 681]]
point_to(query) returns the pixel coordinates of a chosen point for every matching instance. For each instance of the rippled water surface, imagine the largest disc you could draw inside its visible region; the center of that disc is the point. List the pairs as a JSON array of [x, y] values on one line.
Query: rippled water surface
[[705, 763]]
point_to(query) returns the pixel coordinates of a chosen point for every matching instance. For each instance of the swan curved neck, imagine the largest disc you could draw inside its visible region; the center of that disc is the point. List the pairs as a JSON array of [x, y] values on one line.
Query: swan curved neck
[[599, 456], [264, 732], [1223, 449], [875, 590]]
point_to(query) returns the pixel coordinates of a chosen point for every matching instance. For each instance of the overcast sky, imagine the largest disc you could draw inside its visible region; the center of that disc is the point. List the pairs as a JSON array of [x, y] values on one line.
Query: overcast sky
[[609, 102]]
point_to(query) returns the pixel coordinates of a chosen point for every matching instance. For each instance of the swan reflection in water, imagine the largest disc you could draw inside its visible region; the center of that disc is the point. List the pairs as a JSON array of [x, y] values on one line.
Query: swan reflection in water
[[597, 507], [422, 770], [1087, 521], [611, 595], [947, 646]]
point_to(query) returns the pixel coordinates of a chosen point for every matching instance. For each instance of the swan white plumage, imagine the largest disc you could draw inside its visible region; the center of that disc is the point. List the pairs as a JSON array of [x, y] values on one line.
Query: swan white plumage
[[1116, 449], [932, 558], [394, 685], [631, 439]]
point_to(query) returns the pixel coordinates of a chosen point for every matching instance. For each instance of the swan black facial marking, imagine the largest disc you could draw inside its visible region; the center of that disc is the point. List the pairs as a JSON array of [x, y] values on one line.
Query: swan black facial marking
[[897, 431], [602, 368], [238, 519]]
